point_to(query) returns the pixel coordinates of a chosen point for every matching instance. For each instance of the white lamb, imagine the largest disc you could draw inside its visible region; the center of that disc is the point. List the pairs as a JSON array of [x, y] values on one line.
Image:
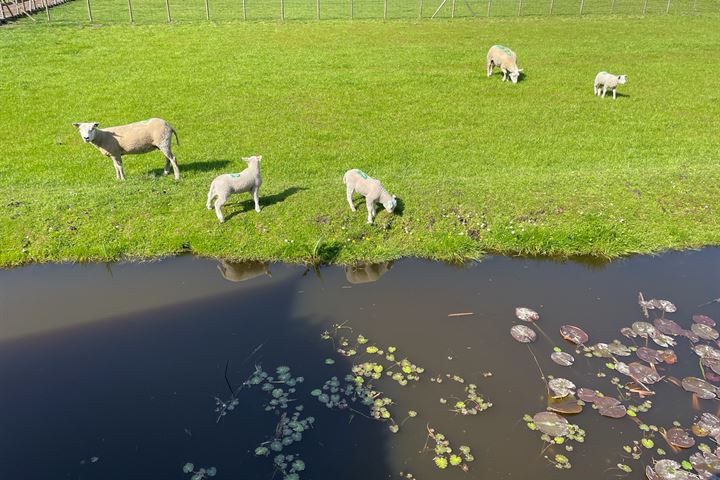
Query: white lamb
[[608, 81], [506, 60], [223, 186], [373, 191], [139, 137]]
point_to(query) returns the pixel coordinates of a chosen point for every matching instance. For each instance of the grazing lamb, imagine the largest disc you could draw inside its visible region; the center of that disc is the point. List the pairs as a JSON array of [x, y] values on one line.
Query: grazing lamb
[[366, 272], [608, 81], [139, 137], [373, 191], [243, 271], [506, 60], [225, 185]]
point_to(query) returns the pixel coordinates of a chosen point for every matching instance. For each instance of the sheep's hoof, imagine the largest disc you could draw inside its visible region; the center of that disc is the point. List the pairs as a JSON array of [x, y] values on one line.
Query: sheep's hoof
[[257, 210], [208, 207]]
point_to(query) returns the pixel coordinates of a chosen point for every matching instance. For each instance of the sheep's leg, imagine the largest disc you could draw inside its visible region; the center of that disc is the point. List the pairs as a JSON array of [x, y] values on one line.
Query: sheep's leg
[[504, 72], [119, 168], [221, 199], [371, 210], [211, 194], [489, 67], [604, 91], [256, 198], [349, 192], [614, 90], [170, 160]]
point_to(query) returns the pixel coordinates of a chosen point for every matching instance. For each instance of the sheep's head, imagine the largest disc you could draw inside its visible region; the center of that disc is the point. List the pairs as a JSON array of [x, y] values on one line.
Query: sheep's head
[[253, 159], [87, 130], [622, 79], [390, 204], [515, 75]]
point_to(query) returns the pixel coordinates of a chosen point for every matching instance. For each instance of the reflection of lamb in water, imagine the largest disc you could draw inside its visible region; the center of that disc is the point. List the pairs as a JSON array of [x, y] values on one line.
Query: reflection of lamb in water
[[366, 272], [242, 271]]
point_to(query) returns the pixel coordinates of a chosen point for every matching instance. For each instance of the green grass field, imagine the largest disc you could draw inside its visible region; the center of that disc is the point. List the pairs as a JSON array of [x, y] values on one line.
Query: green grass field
[[541, 168]]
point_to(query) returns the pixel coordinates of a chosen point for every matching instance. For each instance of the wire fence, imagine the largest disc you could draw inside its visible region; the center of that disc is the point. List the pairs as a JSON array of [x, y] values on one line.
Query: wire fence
[[156, 11]]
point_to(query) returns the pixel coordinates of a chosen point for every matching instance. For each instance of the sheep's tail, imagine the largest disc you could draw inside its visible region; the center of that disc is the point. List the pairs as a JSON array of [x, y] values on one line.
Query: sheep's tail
[[177, 140], [345, 178]]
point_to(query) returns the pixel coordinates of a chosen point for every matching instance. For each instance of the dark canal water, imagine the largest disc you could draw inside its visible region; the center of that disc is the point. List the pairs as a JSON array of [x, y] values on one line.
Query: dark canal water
[[111, 372]]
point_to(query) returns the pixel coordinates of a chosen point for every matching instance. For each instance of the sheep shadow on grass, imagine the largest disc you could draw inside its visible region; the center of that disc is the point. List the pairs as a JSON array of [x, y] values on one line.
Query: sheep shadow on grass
[[265, 201], [210, 166]]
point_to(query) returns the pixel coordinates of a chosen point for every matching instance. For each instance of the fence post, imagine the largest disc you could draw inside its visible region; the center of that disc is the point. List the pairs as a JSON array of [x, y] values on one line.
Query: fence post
[[452, 11], [244, 11], [385, 10], [421, 7], [552, 2], [89, 9], [282, 10], [645, 7], [207, 9], [167, 10], [519, 10], [129, 10], [667, 10], [317, 9], [582, 5], [489, 4], [612, 8], [694, 6], [352, 10]]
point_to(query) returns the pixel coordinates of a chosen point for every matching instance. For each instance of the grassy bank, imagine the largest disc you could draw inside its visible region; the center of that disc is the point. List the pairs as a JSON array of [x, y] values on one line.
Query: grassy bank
[[541, 167]]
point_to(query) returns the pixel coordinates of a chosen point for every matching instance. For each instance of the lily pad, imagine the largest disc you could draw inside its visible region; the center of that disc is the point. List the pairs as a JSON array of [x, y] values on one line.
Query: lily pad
[[649, 355], [644, 329], [551, 424], [643, 373], [523, 334], [606, 402], [712, 363], [628, 332], [567, 406], [704, 320], [562, 358], [668, 327], [706, 351], [705, 332], [616, 411], [707, 425], [678, 437], [699, 387], [587, 395], [667, 469], [705, 463], [526, 314], [574, 334], [561, 387], [663, 340], [618, 349]]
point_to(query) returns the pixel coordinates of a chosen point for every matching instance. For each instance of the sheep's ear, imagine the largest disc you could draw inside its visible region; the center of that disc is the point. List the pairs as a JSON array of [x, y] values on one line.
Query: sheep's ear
[[394, 197], [96, 124], [76, 125], [259, 157], [520, 70]]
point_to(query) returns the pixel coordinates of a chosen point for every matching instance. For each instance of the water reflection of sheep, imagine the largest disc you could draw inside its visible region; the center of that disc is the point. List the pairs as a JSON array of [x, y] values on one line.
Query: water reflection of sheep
[[366, 272], [242, 271]]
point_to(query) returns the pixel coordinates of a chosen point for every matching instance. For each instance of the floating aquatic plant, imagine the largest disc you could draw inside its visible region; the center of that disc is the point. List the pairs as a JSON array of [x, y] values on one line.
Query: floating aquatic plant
[[200, 473], [444, 455], [523, 334], [527, 314], [472, 403]]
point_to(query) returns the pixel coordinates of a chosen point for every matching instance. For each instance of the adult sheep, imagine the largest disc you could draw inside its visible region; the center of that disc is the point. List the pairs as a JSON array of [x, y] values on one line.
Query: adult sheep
[[138, 137], [506, 60]]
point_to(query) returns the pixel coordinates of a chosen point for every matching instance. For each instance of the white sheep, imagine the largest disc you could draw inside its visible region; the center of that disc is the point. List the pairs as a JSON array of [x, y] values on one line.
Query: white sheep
[[243, 271], [139, 137], [608, 81], [223, 186], [506, 60], [366, 272], [373, 191]]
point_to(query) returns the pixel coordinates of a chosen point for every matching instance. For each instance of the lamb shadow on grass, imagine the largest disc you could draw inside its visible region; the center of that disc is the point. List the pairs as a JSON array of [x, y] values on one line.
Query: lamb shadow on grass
[[265, 201], [210, 166]]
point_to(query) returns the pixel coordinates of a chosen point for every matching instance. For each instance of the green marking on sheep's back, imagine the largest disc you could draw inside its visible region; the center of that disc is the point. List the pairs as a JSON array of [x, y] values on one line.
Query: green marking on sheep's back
[[234, 175], [505, 49], [362, 174]]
